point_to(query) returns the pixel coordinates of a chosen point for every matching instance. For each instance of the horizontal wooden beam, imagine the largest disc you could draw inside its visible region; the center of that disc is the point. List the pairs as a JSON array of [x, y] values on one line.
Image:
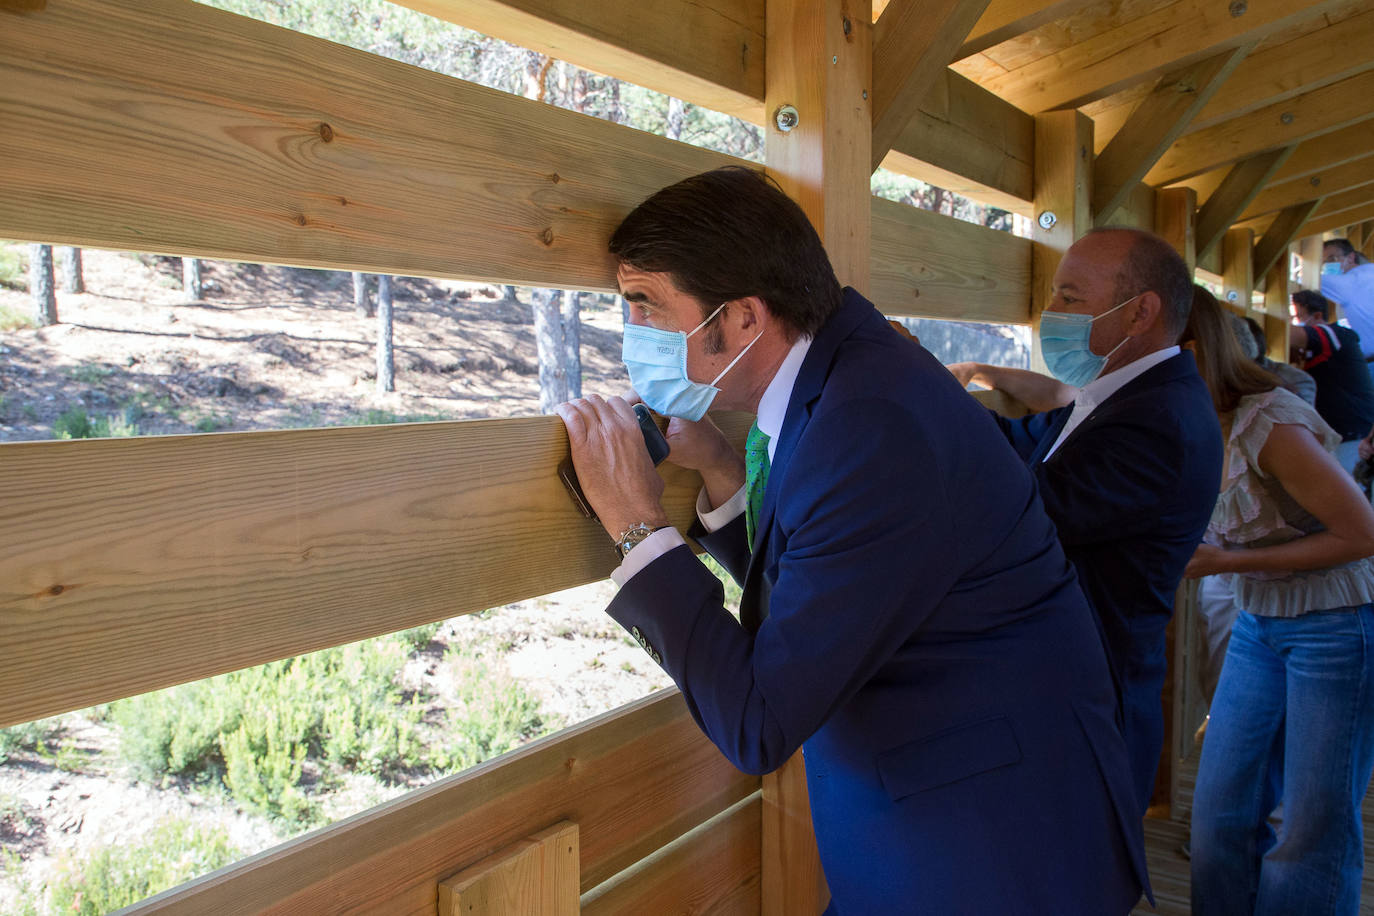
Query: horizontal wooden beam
[[1274, 243], [1339, 220], [1280, 195], [168, 559], [1304, 117], [126, 128], [710, 54], [633, 780], [1006, 19], [1349, 200], [930, 265], [913, 43], [1244, 181], [1163, 38], [966, 140]]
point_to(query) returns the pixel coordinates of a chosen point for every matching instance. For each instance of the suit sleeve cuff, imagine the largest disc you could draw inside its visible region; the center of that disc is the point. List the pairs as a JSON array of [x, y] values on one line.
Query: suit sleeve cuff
[[645, 552], [717, 518]]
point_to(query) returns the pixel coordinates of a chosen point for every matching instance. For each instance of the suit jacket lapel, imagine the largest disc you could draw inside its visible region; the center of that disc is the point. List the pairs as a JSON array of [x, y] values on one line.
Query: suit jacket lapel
[[1173, 368]]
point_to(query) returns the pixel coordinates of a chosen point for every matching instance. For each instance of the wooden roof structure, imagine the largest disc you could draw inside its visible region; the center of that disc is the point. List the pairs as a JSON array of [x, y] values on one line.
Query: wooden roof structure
[[1238, 129]]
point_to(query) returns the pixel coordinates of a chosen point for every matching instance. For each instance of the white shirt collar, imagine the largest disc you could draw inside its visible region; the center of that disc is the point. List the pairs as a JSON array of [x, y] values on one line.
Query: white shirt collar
[[1098, 390], [773, 404]]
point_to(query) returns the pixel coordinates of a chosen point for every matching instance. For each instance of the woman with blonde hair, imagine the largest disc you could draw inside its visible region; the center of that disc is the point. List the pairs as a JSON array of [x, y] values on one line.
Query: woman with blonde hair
[[1293, 715]]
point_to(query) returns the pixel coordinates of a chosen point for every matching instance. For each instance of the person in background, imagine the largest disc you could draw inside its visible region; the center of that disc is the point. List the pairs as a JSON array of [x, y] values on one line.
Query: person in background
[[1293, 715], [1254, 346], [1348, 281], [908, 618], [1128, 465], [1331, 355]]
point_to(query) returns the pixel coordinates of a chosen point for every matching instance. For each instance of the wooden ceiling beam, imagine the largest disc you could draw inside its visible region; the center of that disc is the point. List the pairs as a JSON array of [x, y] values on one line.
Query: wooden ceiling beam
[[1170, 36], [913, 43], [1287, 123], [1004, 19], [1319, 224], [1237, 190], [1154, 126], [1274, 243], [1323, 184]]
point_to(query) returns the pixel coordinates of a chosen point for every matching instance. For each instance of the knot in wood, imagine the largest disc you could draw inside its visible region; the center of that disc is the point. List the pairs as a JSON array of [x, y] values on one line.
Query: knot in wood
[[326, 132], [555, 178], [547, 236]]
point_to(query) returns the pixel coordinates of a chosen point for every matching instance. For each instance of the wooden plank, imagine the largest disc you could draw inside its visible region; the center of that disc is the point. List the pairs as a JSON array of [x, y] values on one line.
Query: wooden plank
[[1164, 38], [1273, 245], [1276, 335], [712, 869], [125, 128], [913, 43], [966, 140], [1318, 225], [710, 54], [1276, 298], [632, 779], [1005, 19], [1329, 150], [1304, 117], [168, 559], [1063, 182], [1153, 127], [1368, 238], [1237, 268], [1310, 250], [1328, 183], [1176, 221], [1242, 184], [537, 875], [933, 266], [1137, 210]]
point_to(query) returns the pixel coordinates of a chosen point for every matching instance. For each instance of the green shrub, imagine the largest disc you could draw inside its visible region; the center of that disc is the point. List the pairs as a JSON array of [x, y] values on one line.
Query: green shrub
[[115, 876], [31, 736], [492, 714], [14, 267], [75, 423], [14, 319]]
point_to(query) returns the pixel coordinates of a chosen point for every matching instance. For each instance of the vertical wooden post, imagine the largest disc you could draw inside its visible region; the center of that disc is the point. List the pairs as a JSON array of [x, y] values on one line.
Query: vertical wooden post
[[1276, 310], [1176, 221], [1063, 180], [1237, 269], [1355, 235], [819, 76], [1311, 251]]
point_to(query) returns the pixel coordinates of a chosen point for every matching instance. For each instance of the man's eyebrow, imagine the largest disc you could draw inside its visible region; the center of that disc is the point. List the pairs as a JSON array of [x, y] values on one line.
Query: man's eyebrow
[[639, 297]]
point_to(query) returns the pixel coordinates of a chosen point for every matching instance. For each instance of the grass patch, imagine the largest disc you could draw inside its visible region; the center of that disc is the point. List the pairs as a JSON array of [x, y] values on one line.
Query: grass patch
[[75, 423], [90, 373], [375, 417], [14, 268], [13, 319], [31, 736]]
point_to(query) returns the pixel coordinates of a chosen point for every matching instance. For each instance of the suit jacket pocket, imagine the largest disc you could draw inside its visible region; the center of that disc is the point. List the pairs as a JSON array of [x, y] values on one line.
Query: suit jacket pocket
[[948, 756]]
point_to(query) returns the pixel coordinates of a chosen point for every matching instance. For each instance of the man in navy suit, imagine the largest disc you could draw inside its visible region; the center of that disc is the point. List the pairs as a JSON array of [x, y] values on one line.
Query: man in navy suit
[[1130, 466], [909, 619]]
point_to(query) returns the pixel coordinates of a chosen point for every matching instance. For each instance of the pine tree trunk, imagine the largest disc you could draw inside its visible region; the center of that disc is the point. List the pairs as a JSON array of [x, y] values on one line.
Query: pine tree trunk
[[72, 280], [41, 284], [548, 340], [386, 358], [677, 114], [190, 279], [361, 303], [572, 342]]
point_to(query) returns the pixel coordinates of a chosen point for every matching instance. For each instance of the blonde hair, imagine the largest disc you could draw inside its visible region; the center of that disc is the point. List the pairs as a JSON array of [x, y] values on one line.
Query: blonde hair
[[1220, 362]]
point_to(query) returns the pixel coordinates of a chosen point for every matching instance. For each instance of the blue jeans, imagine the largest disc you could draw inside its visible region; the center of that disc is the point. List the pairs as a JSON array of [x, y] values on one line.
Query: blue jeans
[[1293, 713]]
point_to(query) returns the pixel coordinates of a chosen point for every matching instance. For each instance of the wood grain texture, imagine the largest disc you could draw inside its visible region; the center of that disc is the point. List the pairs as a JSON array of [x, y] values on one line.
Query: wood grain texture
[[1241, 185], [913, 43], [708, 53], [1237, 268], [1327, 183], [714, 869], [1063, 187], [1005, 19], [1312, 157], [1276, 299], [537, 875], [633, 780], [1273, 245], [1176, 220], [1337, 221], [929, 265], [126, 128], [168, 559]]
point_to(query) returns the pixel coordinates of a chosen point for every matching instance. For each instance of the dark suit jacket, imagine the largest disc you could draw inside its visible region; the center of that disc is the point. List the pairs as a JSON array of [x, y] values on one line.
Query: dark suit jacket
[[910, 621], [1130, 492]]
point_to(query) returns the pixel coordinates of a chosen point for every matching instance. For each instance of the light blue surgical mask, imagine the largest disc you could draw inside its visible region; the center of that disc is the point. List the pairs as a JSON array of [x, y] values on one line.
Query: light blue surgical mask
[[1331, 267], [1064, 340], [657, 362]]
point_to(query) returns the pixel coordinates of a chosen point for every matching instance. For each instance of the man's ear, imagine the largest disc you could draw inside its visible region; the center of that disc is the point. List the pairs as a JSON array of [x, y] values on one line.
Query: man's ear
[[1145, 312], [749, 314]]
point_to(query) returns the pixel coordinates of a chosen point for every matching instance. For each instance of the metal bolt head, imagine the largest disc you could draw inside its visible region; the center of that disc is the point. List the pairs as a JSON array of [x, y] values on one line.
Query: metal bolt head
[[1314, 180], [1048, 219], [786, 117], [1232, 296], [1237, 8], [865, 93], [1286, 118], [835, 59]]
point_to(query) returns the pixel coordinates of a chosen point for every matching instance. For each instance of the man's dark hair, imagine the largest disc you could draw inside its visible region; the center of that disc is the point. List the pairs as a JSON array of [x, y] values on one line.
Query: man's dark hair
[[1152, 265], [731, 233], [1342, 245], [1314, 302]]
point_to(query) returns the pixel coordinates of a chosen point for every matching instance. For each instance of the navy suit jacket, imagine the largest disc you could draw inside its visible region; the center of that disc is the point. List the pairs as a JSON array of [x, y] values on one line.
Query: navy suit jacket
[[1130, 491], [911, 622]]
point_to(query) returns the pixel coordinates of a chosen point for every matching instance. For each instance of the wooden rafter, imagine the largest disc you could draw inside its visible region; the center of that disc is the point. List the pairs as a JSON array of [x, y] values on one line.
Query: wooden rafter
[[913, 43], [1350, 200], [1237, 190], [1312, 157], [1274, 243], [1280, 195], [1004, 19], [1320, 224], [1303, 117], [1169, 36], [1154, 126]]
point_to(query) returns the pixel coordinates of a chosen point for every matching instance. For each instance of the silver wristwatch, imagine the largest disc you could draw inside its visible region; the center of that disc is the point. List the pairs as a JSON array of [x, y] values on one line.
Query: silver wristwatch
[[632, 536]]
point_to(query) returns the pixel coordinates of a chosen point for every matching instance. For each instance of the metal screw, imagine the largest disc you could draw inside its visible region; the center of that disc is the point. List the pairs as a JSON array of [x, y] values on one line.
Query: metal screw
[[786, 117], [1232, 296], [1237, 8], [1286, 118], [1314, 180], [1048, 219], [865, 93], [835, 59]]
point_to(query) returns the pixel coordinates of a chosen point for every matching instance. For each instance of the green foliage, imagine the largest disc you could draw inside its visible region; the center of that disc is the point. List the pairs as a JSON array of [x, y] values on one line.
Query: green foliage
[[31, 736], [376, 417], [13, 319], [417, 638], [75, 423], [492, 713], [212, 422], [90, 373], [14, 268], [115, 876]]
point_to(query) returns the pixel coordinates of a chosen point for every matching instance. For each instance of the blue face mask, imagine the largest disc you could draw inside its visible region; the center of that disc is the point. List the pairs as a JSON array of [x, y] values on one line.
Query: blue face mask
[[1331, 267], [1064, 340], [657, 362]]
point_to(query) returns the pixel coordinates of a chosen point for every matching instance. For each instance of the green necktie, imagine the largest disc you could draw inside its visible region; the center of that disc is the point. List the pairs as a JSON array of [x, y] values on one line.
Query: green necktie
[[755, 477]]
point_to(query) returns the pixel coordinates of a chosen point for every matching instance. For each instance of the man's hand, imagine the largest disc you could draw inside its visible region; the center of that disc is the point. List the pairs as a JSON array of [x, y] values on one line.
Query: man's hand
[[1207, 560], [702, 447], [966, 373], [612, 464]]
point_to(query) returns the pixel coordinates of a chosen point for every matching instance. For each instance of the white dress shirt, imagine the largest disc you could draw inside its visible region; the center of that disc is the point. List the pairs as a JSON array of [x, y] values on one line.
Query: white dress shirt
[[772, 411], [1095, 393], [1353, 291]]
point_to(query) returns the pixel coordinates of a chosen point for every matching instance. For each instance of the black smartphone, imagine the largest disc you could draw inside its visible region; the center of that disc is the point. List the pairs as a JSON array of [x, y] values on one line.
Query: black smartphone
[[653, 441]]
